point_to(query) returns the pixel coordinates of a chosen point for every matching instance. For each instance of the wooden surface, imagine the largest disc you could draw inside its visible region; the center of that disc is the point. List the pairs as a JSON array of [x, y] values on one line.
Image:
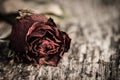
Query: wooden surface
[[94, 26]]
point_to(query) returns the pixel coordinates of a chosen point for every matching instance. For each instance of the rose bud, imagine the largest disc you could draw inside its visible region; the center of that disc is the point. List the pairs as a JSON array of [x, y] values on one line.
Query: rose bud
[[35, 38]]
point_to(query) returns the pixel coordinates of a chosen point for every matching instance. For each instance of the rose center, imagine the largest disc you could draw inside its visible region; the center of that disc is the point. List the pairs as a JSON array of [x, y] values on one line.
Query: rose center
[[47, 47]]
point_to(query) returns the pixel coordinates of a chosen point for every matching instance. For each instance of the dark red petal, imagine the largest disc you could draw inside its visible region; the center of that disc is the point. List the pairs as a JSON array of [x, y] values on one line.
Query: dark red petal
[[37, 18], [67, 41], [52, 36], [20, 29], [40, 29], [62, 50], [32, 46], [35, 30], [53, 61], [42, 60], [17, 38], [50, 22], [37, 27]]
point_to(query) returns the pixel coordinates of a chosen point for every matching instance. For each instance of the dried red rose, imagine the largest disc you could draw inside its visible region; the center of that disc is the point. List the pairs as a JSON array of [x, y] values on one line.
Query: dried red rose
[[38, 40]]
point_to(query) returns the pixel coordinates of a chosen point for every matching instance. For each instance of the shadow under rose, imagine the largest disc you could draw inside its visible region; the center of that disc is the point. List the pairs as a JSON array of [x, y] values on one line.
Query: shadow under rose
[[4, 51], [7, 56]]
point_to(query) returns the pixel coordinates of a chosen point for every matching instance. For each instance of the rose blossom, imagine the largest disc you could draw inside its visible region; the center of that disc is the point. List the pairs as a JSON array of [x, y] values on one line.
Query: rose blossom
[[35, 38]]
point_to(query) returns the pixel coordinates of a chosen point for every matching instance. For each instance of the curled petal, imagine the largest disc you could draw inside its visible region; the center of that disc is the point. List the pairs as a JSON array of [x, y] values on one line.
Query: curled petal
[[53, 61], [50, 22], [67, 41]]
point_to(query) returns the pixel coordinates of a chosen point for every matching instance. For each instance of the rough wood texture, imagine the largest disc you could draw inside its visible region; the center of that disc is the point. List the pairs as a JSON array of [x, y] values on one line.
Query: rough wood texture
[[94, 26]]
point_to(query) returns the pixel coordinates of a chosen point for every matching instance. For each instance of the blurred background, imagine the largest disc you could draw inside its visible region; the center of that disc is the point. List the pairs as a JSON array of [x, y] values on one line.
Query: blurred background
[[94, 27]]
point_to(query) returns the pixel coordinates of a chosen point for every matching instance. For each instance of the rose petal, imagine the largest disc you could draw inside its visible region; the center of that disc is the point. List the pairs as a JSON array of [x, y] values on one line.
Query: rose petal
[[37, 18], [67, 41], [42, 60], [20, 29], [17, 37], [53, 61], [50, 35], [50, 22]]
